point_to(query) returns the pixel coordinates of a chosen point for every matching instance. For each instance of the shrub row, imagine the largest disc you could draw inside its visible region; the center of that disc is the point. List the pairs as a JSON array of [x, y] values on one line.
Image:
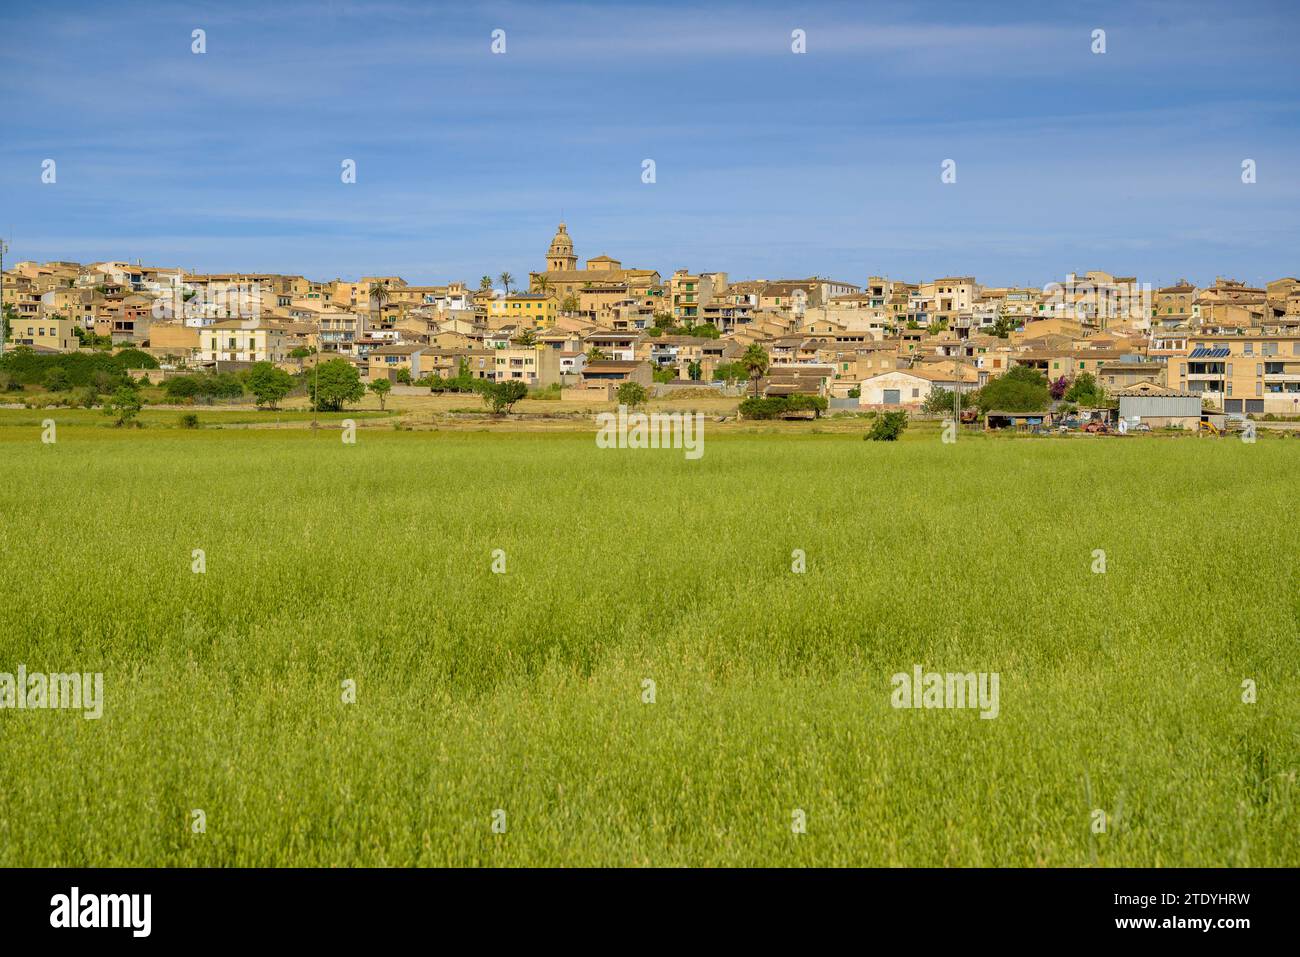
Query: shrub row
[[775, 406]]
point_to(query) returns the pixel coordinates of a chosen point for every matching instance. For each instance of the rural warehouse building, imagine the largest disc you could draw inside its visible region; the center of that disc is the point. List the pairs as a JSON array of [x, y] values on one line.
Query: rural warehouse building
[[1159, 406]]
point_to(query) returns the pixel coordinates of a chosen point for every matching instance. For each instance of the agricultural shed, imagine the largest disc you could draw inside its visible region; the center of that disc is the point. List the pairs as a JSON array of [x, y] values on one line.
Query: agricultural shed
[[1159, 406], [1020, 421]]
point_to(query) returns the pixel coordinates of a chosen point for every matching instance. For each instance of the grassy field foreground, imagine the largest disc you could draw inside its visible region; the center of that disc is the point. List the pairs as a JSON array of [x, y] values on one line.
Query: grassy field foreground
[[523, 692]]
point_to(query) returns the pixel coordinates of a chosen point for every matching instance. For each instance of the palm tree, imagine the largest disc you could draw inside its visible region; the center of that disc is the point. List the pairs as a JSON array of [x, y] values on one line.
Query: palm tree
[[485, 283], [755, 361], [379, 293], [542, 285], [506, 280], [595, 355]]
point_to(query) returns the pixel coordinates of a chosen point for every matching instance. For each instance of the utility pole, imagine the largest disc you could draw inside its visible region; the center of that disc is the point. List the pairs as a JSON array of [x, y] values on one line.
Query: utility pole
[[4, 322], [315, 392]]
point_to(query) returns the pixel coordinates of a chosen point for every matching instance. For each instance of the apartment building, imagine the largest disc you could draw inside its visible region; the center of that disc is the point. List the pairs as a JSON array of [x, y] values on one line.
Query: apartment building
[[1242, 374], [1284, 296], [68, 301], [537, 366], [450, 362], [634, 312], [454, 295], [599, 302], [173, 339], [1172, 305], [385, 362], [126, 320], [688, 293], [242, 341], [947, 298], [22, 296], [1124, 374], [52, 333], [526, 310], [1229, 305], [340, 331], [615, 346]]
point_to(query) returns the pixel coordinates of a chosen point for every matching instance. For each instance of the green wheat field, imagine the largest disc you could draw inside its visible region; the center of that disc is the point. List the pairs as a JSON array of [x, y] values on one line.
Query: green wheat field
[[522, 692]]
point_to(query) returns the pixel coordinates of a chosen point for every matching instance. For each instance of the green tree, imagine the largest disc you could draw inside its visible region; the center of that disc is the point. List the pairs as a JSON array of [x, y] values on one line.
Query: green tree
[[381, 388], [525, 339], [379, 293], [702, 330], [485, 283], [511, 392], [594, 354], [56, 380], [506, 280], [1086, 391], [779, 406], [1021, 389], [767, 407], [632, 394], [940, 401], [181, 387], [464, 380], [730, 372], [756, 362], [335, 383], [694, 371], [221, 385], [887, 427], [268, 384], [124, 405], [803, 402], [501, 396], [570, 304]]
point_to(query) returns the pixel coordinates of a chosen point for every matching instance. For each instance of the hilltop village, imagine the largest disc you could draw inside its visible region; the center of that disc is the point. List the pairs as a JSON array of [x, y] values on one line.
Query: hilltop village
[[581, 329]]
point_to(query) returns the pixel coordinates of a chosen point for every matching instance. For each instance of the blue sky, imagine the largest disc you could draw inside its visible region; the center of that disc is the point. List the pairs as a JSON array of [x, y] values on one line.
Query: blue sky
[[768, 163]]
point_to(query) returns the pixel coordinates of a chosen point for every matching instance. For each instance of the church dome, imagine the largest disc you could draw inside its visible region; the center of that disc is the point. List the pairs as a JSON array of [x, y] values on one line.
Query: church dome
[[562, 238]]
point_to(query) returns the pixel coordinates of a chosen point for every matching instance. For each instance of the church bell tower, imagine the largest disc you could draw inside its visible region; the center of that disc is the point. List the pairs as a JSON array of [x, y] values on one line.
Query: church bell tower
[[560, 257]]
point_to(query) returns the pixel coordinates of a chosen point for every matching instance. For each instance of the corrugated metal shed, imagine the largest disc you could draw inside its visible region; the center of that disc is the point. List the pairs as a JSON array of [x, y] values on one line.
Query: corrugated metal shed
[[1159, 406]]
